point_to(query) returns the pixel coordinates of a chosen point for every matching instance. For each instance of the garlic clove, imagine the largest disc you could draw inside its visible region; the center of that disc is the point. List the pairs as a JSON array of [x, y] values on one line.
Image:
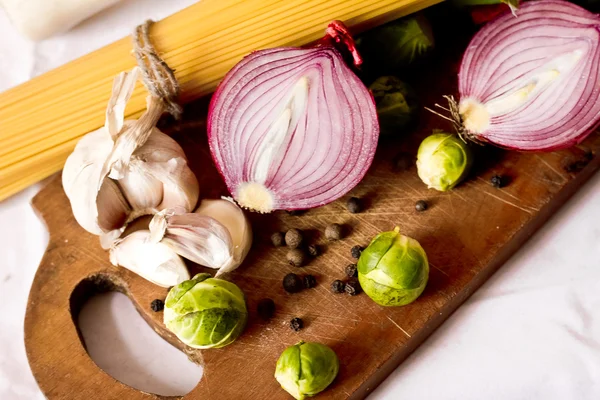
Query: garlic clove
[[155, 262], [81, 175], [180, 186], [113, 210], [198, 238], [143, 192], [159, 147], [233, 218]]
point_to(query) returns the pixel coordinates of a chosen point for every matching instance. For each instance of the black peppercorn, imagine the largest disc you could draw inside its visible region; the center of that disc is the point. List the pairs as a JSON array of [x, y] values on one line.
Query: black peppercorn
[[402, 162], [354, 205], [333, 232], [157, 305], [292, 283], [277, 239], [337, 286], [355, 251], [421, 205], [352, 287], [497, 181], [313, 250], [296, 324], [351, 271], [310, 281], [293, 238], [266, 308], [295, 257], [295, 212]]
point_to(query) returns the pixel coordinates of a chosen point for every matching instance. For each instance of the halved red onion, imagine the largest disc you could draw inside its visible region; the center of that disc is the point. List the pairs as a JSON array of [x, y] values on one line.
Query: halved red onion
[[532, 82], [293, 128]]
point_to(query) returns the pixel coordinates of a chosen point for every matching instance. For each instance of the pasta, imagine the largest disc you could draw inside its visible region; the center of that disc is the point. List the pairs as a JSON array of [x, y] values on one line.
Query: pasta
[[42, 120]]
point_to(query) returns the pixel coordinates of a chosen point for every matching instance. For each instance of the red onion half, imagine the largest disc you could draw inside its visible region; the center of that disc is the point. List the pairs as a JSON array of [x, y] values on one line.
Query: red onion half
[[293, 128], [532, 82]]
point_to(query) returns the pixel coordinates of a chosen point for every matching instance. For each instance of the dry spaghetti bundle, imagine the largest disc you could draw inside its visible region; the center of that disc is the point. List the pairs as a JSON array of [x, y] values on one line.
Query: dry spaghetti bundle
[[42, 120]]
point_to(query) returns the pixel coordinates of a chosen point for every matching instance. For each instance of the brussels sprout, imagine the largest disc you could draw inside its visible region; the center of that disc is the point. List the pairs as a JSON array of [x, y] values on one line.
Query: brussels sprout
[[396, 104], [396, 45], [443, 160], [393, 270], [306, 369], [206, 312]]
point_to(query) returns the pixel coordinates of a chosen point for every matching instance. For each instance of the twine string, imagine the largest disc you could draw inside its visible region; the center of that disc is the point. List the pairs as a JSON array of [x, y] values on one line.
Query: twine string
[[157, 76]]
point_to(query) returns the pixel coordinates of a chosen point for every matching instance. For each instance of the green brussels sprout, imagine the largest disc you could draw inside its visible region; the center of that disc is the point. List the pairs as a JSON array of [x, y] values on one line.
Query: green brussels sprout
[[443, 160], [393, 270], [306, 369], [206, 312], [396, 104], [396, 45]]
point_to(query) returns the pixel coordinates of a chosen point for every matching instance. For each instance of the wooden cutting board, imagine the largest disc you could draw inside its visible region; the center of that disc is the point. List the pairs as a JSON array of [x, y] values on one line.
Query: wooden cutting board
[[467, 234]]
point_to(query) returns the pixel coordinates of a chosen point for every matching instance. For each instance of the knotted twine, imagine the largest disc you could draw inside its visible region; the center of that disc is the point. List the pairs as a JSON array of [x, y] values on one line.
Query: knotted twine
[[163, 87], [157, 76]]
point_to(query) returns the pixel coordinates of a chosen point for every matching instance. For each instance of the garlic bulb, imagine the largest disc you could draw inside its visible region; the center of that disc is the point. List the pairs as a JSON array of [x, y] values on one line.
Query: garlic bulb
[[153, 261], [217, 236], [127, 168]]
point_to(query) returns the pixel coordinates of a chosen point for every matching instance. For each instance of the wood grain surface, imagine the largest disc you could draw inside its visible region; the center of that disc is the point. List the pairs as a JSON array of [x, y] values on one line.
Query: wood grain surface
[[467, 233]]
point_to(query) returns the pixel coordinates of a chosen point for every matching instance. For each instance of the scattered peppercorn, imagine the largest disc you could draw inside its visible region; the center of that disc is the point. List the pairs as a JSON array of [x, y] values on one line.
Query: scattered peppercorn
[[293, 238], [295, 212], [354, 205], [421, 205], [337, 286], [266, 308], [296, 324], [497, 181], [352, 287], [310, 281], [333, 232], [313, 250], [292, 283], [576, 165], [296, 257], [402, 162], [157, 305], [277, 239], [356, 251], [351, 271]]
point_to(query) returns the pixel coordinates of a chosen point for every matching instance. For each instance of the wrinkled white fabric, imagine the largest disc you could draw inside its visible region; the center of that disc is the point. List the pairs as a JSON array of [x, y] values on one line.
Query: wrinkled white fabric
[[532, 331], [39, 19]]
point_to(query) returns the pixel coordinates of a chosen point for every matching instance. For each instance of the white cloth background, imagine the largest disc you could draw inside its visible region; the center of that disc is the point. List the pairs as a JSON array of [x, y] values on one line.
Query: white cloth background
[[532, 332]]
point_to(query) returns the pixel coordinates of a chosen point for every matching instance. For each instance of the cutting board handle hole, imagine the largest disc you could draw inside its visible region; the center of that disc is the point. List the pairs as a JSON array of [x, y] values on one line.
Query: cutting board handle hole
[[123, 345], [91, 286]]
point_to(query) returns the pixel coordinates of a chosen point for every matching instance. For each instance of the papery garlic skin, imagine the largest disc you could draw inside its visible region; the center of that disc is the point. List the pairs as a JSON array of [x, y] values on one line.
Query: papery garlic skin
[[198, 238], [217, 235], [155, 262], [233, 218], [126, 169], [85, 165]]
